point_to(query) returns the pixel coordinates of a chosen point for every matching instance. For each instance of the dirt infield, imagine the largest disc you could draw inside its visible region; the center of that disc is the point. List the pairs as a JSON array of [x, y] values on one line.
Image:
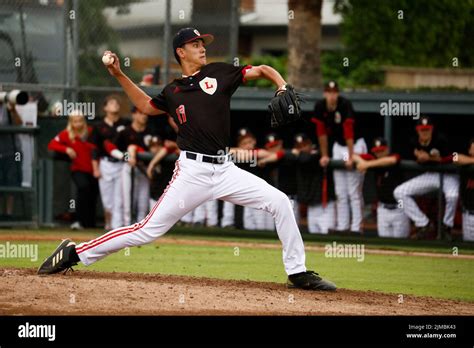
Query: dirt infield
[[22, 292]]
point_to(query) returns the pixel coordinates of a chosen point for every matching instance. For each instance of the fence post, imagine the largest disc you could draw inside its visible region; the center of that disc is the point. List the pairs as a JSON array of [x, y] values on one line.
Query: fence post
[[132, 192], [234, 30], [387, 130], [440, 206], [166, 43], [75, 52]]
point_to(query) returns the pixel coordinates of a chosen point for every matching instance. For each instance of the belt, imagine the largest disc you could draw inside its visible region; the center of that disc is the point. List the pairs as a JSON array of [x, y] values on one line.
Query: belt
[[390, 206], [207, 159]]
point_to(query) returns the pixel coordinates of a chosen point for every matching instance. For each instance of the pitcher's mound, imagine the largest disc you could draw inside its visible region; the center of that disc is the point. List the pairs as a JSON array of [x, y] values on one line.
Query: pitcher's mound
[[22, 292]]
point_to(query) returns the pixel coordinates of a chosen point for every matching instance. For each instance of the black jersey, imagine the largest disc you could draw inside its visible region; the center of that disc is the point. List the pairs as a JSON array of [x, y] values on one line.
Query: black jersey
[[162, 174], [437, 145], [314, 184], [386, 180], [281, 174], [287, 177], [130, 136], [339, 124], [467, 188], [200, 106], [103, 133]]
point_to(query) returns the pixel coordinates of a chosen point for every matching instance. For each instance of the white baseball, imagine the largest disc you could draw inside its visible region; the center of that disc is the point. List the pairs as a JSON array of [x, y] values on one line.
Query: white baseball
[[107, 59]]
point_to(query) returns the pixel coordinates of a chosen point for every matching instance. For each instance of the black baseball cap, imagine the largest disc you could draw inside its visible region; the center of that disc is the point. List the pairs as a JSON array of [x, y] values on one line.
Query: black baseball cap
[[156, 140], [301, 139], [424, 123], [380, 144], [186, 35], [331, 86], [271, 140], [244, 133]]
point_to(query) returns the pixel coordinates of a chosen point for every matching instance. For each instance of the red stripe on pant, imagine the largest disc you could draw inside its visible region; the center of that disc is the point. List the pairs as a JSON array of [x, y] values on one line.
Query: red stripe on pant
[[126, 230]]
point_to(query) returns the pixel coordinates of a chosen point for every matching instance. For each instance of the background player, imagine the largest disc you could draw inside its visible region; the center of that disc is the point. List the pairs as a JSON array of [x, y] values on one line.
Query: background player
[[110, 162], [467, 192], [160, 173], [135, 138], [315, 186], [335, 125], [246, 142], [200, 104], [429, 148], [391, 219], [74, 141]]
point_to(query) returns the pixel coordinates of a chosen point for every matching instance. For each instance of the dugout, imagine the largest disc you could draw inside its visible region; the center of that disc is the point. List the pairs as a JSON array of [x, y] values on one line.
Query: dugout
[[453, 112]]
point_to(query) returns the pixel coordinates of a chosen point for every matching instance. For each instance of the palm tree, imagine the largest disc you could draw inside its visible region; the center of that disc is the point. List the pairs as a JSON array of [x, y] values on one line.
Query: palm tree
[[304, 38]]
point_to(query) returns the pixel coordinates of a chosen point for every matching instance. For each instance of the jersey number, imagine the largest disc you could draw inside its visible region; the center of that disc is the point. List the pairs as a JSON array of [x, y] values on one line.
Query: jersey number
[[181, 113]]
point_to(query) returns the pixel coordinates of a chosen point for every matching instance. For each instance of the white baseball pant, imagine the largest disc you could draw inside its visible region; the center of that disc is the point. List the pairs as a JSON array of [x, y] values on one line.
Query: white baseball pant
[[348, 185], [141, 193], [207, 213], [193, 183], [228, 215], [423, 184], [321, 219], [392, 223], [468, 227], [110, 185]]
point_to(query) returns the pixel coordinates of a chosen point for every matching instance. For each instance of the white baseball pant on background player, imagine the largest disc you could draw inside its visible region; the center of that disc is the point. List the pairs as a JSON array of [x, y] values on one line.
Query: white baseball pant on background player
[[207, 213], [193, 183], [348, 187], [110, 185], [294, 204], [423, 184], [392, 223], [141, 193], [468, 227], [321, 219], [187, 218], [228, 214], [255, 219]]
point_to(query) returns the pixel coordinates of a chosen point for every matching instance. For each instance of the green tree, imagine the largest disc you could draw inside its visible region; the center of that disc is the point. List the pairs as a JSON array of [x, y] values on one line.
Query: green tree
[[425, 33]]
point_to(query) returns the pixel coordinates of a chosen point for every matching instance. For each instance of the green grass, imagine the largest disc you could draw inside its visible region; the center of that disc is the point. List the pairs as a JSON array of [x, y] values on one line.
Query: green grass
[[423, 276], [206, 233]]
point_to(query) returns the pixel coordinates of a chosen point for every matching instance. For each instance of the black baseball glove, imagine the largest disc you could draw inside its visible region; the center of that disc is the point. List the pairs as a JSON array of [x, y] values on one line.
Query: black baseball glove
[[285, 107]]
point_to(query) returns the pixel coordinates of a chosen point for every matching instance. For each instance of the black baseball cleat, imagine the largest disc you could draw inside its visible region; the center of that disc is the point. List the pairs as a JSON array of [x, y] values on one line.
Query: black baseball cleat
[[309, 280], [445, 233], [421, 232], [62, 259]]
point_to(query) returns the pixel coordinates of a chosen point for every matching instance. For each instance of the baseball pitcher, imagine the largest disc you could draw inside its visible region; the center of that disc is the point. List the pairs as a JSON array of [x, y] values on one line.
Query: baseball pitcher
[[199, 102]]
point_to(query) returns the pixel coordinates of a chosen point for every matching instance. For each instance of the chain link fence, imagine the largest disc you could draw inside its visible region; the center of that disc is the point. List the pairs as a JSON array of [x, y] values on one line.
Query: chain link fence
[[52, 49]]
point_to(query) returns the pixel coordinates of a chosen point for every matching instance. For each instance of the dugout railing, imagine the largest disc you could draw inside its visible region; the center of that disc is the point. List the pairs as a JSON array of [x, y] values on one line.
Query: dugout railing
[[27, 192], [405, 165]]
